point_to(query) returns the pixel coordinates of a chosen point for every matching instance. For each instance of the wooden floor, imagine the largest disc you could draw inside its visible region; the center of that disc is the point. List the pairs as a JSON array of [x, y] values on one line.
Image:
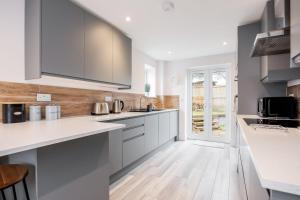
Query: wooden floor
[[185, 170]]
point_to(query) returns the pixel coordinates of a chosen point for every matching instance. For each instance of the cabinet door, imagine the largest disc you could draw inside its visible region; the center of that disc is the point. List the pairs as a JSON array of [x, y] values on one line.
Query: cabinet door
[[62, 38], [133, 149], [253, 186], [151, 132], [98, 49], [115, 151], [122, 58], [256, 191], [295, 30], [164, 128], [174, 124], [241, 179]]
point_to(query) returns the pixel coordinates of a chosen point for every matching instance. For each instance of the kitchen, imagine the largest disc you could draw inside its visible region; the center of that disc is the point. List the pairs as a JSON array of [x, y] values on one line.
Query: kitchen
[[135, 101]]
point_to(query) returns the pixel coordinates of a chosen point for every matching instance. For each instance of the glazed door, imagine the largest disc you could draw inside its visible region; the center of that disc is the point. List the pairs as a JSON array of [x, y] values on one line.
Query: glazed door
[[209, 104]]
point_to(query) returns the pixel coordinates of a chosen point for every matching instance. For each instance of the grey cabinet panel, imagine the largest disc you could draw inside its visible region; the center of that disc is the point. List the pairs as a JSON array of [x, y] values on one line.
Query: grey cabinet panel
[[74, 170], [115, 151], [133, 150], [164, 128], [151, 132], [98, 49], [133, 132], [62, 38], [33, 39], [173, 124], [295, 30], [122, 58], [250, 88]]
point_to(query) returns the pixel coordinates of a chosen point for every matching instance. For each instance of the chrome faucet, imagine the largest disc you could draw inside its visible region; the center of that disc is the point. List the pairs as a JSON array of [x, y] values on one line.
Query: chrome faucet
[[141, 101]]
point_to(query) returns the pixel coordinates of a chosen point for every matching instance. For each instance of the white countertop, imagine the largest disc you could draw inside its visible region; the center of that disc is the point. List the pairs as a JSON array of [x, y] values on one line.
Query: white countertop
[[20, 137], [276, 156], [125, 115]]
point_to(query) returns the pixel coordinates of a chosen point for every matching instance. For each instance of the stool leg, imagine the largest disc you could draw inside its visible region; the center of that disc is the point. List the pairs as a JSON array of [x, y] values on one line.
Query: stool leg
[[14, 192], [26, 189], [3, 195]]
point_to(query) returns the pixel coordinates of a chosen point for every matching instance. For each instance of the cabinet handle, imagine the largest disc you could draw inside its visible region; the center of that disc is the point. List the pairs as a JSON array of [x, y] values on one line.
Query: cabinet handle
[[133, 127], [132, 138], [296, 59]]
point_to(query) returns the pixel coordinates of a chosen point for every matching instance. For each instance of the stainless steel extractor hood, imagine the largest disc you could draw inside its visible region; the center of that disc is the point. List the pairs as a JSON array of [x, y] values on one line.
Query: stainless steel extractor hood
[[275, 36]]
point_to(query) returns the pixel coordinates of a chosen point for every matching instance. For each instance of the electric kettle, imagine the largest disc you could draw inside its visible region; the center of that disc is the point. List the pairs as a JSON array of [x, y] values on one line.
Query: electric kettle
[[118, 106]]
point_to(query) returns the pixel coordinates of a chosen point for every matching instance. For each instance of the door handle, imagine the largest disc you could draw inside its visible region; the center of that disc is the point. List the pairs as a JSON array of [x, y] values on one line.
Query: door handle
[[296, 59]]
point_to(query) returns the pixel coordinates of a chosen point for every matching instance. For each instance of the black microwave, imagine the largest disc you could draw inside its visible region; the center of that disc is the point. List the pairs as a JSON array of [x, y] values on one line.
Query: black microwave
[[281, 107]]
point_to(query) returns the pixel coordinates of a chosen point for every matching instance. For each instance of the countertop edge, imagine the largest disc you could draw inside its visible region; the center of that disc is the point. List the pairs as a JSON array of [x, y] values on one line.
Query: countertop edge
[[59, 140], [266, 183]]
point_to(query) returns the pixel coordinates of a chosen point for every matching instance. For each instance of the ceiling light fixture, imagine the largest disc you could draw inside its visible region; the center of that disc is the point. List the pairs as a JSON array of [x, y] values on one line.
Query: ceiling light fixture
[[170, 52], [128, 19], [225, 43], [168, 6]]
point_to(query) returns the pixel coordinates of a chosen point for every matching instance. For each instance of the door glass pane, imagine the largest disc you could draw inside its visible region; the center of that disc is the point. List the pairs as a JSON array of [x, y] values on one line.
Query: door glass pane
[[219, 103], [198, 103]]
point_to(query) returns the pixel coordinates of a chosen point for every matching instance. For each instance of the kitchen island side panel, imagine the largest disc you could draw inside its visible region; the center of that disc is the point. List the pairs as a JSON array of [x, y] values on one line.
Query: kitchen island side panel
[[74, 170]]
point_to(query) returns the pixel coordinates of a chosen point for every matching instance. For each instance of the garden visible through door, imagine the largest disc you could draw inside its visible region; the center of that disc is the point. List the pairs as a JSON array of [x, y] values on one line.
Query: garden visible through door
[[209, 104]]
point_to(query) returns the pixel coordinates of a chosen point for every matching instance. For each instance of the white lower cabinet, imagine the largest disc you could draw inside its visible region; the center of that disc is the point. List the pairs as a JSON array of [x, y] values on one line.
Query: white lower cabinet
[[250, 185], [242, 186], [174, 125]]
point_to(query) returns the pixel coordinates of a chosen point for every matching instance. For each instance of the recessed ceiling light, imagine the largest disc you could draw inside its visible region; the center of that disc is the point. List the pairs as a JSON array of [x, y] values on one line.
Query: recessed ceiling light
[[225, 43], [168, 6], [170, 52], [128, 19]]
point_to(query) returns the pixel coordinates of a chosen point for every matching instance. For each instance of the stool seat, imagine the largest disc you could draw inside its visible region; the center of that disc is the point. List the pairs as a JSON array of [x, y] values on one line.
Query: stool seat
[[11, 175]]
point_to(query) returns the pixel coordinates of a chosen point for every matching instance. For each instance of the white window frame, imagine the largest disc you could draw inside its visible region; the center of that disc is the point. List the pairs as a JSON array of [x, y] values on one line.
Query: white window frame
[[150, 78]]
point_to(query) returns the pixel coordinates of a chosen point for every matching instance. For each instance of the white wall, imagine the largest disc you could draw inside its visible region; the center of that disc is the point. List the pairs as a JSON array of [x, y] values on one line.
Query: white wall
[[175, 82], [12, 54]]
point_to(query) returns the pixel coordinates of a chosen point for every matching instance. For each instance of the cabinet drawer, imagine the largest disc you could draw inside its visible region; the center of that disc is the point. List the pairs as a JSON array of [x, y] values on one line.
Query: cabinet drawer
[[131, 123], [133, 150], [133, 132]]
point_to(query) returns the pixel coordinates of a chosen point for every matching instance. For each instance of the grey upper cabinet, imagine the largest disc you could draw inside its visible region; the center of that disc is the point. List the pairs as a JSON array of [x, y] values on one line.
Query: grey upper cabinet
[[173, 124], [295, 32], [62, 38], [98, 49], [122, 58], [151, 132], [164, 128]]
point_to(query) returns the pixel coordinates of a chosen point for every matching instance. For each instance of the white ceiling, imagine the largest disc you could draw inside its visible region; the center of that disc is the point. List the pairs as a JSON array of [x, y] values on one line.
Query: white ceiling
[[195, 28]]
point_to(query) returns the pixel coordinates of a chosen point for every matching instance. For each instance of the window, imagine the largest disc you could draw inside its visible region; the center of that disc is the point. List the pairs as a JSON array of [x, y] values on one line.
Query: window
[[150, 81]]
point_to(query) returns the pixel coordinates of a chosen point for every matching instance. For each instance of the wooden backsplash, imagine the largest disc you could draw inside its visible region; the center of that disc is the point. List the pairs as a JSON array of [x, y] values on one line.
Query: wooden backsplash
[[73, 101], [295, 91]]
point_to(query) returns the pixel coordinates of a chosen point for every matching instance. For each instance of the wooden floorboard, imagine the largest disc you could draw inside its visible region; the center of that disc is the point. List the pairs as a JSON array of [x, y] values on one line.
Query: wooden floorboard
[[183, 171]]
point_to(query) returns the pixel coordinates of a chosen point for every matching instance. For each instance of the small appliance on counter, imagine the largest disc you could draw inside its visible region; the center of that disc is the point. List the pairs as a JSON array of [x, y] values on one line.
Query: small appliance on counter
[[35, 113], [118, 106], [277, 107], [100, 109], [13, 113]]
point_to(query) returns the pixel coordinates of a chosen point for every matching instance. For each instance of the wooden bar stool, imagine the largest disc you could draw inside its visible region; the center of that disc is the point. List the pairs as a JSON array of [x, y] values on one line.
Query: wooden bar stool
[[10, 175]]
